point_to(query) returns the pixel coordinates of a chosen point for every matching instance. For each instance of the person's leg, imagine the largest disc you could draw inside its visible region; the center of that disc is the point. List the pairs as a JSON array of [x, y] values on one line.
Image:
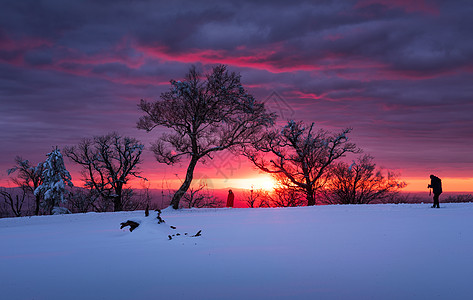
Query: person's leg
[[436, 201]]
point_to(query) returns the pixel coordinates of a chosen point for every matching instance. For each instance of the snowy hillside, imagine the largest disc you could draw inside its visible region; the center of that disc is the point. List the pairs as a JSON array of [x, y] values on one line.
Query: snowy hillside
[[325, 252]]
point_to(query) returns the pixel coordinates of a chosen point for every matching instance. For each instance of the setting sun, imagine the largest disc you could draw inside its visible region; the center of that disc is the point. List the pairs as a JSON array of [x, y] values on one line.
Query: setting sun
[[264, 182]]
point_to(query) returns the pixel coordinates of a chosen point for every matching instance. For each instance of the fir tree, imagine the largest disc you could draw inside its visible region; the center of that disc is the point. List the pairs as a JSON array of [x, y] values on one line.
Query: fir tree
[[55, 177]]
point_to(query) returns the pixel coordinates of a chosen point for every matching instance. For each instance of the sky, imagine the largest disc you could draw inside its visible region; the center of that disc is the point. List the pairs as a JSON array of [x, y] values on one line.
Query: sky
[[398, 72]]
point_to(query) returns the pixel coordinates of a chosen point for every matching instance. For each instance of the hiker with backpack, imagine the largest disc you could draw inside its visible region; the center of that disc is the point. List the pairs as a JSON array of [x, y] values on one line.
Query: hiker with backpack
[[436, 186]]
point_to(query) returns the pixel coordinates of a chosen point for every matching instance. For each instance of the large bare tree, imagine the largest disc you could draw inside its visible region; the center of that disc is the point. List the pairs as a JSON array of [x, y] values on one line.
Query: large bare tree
[[205, 114], [108, 163], [298, 156], [361, 183]]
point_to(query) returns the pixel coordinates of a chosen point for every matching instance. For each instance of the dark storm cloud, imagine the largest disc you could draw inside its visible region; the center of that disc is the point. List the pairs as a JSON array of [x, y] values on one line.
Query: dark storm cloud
[[398, 72]]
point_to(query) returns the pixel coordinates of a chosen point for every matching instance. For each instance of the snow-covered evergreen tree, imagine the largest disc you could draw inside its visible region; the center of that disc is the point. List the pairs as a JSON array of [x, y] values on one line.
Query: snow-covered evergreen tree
[[55, 177]]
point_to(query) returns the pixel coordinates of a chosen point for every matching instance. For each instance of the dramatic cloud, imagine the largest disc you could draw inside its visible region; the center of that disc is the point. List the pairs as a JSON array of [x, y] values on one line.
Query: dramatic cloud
[[398, 72]]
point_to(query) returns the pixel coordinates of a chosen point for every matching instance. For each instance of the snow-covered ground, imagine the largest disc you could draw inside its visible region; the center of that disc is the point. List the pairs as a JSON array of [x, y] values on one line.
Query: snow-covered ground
[[385, 251]]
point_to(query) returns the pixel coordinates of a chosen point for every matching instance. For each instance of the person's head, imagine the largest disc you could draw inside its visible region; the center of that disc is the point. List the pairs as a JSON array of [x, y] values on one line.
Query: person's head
[[432, 176], [230, 191]]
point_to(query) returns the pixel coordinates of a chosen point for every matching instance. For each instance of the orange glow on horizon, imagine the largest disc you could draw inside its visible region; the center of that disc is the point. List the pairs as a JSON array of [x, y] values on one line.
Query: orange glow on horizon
[[260, 181], [266, 182], [449, 184]]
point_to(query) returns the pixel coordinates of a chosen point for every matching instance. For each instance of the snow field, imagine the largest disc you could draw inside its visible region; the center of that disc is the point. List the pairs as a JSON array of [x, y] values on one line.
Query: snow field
[[326, 252]]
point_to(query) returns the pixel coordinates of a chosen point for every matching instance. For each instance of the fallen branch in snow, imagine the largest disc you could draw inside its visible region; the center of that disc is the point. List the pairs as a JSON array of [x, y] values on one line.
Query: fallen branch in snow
[[130, 223]]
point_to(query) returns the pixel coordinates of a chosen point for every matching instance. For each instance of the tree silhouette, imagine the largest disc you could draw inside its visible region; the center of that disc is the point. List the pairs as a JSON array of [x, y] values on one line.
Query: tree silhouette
[[298, 156], [28, 178], [361, 183], [108, 163], [205, 114]]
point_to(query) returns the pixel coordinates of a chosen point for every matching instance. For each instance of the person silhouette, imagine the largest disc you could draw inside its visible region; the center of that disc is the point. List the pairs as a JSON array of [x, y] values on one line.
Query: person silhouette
[[436, 186], [230, 198]]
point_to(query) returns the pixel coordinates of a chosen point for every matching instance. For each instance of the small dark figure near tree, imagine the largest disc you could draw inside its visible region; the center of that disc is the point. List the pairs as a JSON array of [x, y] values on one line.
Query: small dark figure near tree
[[230, 198], [436, 186]]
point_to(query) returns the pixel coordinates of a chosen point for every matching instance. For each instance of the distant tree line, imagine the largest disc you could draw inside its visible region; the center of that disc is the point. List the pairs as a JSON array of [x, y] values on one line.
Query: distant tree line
[[204, 114]]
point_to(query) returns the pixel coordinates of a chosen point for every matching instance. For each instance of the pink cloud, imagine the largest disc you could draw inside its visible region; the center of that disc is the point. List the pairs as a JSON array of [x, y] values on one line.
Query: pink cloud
[[18, 47], [305, 95], [28, 43], [255, 58], [333, 37]]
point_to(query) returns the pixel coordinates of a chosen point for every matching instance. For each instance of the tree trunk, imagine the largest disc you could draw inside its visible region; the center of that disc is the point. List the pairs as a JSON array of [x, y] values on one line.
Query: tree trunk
[[310, 197], [117, 204], [117, 200], [185, 185], [38, 202]]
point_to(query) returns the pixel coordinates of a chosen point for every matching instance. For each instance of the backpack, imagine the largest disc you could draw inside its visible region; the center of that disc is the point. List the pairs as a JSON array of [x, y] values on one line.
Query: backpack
[[436, 185]]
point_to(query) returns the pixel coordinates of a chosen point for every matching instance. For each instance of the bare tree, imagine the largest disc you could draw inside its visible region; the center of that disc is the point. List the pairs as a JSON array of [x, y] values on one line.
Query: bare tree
[[28, 179], [131, 201], [15, 202], [200, 197], [101, 204], [256, 198], [361, 183], [108, 163], [299, 157], [83, 200], [4, 211], [205, 114], [145, 195], [285, 196]]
